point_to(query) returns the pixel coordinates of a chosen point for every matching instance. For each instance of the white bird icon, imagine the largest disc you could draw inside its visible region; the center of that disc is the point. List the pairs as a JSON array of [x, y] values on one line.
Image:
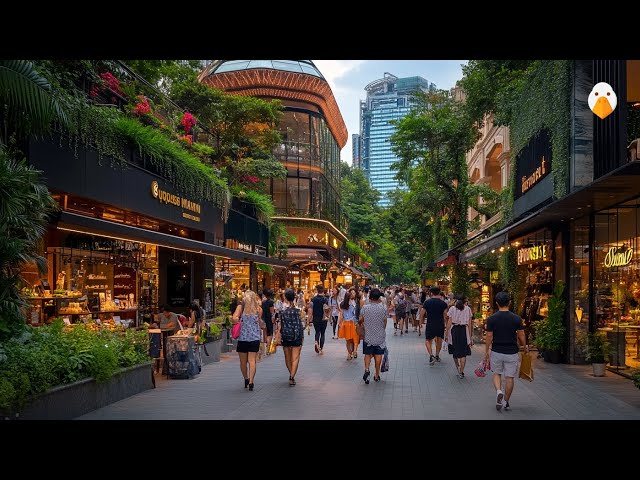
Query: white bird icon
[[602, 100]]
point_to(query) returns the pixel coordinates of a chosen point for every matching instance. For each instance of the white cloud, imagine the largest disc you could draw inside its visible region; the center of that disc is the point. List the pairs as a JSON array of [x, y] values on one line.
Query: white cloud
[[333, 70]]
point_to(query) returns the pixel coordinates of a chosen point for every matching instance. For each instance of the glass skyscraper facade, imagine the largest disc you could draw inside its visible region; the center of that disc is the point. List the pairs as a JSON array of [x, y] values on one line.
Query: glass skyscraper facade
[[355, 151], [389, 98]]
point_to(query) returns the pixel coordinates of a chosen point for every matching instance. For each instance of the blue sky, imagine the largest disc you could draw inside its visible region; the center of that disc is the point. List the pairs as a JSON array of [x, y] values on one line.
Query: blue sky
[[349, 77]]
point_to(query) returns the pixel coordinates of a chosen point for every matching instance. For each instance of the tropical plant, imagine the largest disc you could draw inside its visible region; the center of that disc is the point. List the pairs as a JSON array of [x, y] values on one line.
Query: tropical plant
[[598, 347], [279, 240], [635, 376], [25, 205], [27, 102], [550, 331]]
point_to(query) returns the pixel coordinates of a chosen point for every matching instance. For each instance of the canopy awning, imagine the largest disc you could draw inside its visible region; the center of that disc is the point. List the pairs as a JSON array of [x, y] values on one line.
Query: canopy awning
[[296, 254], [96, 226]]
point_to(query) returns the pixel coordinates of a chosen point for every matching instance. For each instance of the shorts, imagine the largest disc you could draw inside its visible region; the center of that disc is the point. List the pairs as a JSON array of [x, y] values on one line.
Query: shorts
[[433, 330], [401, 315], [372, 349], [246, 347], [294, 343], [505, 364]]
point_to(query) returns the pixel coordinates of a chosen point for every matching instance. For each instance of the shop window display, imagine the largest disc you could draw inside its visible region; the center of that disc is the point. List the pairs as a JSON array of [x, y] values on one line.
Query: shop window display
[[535, 264], [617, 282]]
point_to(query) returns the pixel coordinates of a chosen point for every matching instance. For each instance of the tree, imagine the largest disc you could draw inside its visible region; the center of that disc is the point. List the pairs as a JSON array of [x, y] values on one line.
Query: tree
[[431, 143], [25, 204]]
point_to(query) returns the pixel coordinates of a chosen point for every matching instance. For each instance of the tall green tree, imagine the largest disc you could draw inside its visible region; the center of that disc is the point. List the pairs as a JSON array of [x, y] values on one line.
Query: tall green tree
[[431, 143]]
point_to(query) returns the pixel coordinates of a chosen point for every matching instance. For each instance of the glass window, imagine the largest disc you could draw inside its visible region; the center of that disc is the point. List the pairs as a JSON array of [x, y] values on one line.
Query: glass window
[[280, 193]]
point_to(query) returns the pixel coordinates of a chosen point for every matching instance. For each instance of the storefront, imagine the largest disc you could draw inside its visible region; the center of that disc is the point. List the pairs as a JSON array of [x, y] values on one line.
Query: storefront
[[124, 242]]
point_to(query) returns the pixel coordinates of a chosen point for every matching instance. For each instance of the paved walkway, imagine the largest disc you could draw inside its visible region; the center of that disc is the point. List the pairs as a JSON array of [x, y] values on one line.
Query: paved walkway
[[330, 387]]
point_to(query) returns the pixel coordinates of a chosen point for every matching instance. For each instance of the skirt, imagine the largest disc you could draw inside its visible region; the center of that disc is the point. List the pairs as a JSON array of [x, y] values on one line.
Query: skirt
[[246, 347], [348, 331], [295, 343], [372, 349], [459, 346]]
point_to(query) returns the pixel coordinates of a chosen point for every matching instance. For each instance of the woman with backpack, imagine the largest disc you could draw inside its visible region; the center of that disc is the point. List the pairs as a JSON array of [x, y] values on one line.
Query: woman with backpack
[[291, 335]]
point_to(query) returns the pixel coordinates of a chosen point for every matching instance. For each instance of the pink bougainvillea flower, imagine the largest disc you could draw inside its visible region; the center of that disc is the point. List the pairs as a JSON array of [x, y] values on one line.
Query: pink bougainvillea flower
[[142, 107], [188, 122]]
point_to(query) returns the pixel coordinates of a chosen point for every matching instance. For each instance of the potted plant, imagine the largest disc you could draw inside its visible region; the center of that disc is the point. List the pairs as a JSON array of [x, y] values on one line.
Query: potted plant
[[550, 331], [597, 352]]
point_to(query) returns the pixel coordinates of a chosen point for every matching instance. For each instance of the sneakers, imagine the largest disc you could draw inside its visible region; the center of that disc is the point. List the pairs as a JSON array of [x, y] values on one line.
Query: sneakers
[[431, 360], [499, 399], [437, 358], [505, 405]]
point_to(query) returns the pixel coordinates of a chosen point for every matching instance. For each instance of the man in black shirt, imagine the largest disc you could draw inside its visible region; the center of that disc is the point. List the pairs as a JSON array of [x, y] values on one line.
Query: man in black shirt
[[434, 308], [317, 313], [504, 332]]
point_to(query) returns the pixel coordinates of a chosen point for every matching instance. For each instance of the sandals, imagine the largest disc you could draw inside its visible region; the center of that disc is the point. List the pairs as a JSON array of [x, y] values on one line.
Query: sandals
[[377, 379], [292, 382], [355, 354], [251, 387], [365, 377]]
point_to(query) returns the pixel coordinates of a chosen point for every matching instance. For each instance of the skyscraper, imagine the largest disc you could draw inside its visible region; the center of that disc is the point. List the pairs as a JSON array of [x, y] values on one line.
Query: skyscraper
[[355, 151], [388, 98]]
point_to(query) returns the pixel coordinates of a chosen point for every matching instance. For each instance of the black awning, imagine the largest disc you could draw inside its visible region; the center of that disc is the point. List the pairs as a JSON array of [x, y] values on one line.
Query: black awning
[[307, 254], [611, 189], [494, 241], [95, 226]]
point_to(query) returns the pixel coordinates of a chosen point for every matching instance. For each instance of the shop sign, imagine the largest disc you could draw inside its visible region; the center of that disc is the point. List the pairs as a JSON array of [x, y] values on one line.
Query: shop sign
[[494, 276], [323, 267], [537, 253], [258, 250], [294, 272], [171, 199], [245, 247], [538, 174], [618, 257]]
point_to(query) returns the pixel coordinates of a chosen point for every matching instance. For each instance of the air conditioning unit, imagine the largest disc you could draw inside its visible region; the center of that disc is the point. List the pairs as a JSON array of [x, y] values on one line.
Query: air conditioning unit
[[633, 150]]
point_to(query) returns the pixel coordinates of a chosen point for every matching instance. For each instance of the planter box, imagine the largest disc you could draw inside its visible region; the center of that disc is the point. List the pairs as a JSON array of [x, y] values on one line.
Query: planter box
[[214, 348], [67, 402]]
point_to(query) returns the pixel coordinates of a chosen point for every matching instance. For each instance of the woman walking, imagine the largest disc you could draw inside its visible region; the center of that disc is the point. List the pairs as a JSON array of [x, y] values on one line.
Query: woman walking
[[458, 334], [374, 318], [249, 313], [268, 316], [346, 323], [333, 303], [291, 336]]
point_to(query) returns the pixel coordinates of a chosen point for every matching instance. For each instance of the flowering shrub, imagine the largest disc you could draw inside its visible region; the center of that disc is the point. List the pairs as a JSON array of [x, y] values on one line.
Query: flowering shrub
[[188, 122], [366, 264], [187, 139], [252, 179], [142, 107], [112, 82]]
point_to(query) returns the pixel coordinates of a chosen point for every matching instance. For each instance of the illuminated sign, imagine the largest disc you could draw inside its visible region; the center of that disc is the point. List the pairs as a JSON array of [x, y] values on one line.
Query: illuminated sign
[[537, 253], [294, 272], [538, 174], [618, 257], [169, 198], [245, 247]]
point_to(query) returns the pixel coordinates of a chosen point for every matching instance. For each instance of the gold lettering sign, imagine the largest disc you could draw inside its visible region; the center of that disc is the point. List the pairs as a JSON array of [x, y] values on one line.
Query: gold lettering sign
[[537, 175], [537, 253], [618, 257], [170, 198]]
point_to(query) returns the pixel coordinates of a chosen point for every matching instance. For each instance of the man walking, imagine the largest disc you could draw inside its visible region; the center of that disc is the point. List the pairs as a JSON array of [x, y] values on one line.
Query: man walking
[[434, 308], [317, 314], [504, 333]]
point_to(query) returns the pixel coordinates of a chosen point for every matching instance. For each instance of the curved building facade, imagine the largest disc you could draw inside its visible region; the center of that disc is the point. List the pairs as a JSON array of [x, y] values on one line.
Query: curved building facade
[[313, 133]]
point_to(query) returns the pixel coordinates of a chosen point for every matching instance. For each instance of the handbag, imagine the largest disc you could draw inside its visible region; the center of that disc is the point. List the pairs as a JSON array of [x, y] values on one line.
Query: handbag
[[273, 346], [360, 330], [235, 330]]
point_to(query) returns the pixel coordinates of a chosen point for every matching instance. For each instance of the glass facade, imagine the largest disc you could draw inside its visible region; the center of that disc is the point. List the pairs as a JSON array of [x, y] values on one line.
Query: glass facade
[[616, 282], [312, 158], [388, 99], [297, 66]]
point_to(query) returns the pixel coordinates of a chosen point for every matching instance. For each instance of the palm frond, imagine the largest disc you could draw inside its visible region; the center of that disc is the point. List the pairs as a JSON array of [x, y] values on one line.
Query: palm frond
[[30, 105]]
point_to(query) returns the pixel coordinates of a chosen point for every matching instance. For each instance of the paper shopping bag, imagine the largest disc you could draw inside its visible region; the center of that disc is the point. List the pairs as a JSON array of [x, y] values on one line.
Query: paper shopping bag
[[526, 369]]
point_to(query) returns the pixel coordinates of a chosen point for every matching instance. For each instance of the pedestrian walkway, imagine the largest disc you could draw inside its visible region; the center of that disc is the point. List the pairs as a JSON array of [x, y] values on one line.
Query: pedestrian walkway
[[330, 387]]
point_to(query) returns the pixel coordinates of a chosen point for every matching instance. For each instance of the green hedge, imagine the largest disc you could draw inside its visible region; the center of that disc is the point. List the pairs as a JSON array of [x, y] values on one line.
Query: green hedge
[[52, 355]]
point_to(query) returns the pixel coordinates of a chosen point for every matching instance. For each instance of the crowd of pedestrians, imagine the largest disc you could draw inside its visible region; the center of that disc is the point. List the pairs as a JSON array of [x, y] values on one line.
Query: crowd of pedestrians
[[362, 317]]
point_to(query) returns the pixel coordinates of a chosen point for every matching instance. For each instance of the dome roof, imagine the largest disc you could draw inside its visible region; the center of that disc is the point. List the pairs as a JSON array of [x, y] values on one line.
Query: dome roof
[[296, 66]]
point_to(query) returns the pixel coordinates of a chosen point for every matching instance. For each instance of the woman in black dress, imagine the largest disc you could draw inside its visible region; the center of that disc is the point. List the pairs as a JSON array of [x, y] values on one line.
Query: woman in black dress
[[458, 334], [291, 335]]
